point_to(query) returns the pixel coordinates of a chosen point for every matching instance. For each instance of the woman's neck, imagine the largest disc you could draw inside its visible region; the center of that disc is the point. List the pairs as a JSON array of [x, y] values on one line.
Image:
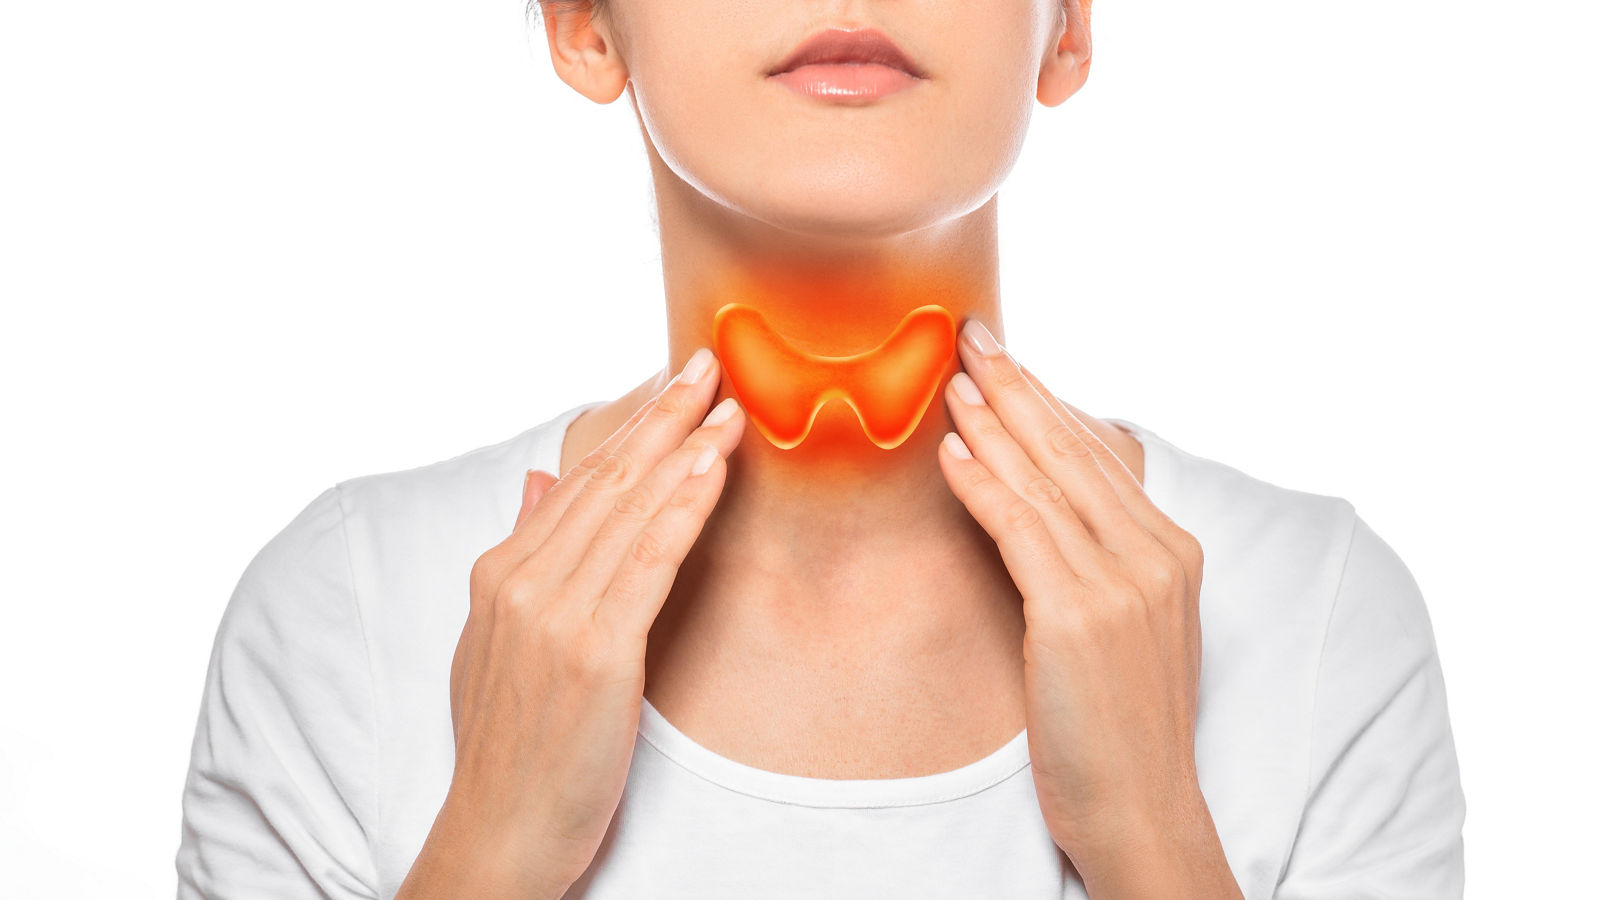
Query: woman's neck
[[821, 533], [830, 296], [835, 513]]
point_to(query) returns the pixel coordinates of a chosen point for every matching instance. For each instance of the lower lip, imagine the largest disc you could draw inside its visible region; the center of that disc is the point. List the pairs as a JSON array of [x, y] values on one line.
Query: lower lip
[[846, 81]]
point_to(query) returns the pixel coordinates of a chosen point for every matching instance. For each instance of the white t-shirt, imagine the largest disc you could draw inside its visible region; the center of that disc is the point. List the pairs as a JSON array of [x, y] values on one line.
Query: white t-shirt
[[324, 747]]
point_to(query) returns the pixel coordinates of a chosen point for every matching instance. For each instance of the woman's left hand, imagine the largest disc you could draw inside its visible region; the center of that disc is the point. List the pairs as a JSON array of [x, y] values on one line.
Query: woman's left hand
[[1110, 587]]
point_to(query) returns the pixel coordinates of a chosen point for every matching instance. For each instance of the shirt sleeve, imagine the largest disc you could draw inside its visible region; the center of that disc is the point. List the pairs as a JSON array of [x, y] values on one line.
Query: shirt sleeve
[[280, 791], [1384, 809]]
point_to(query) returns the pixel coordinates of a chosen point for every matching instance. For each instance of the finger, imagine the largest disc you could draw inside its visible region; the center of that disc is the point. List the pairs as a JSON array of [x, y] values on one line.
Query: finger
[[535, 521], [641, 504], [1026, 545], [643, 577], [538, 524], [541, 523], [535, 484], [989, 441], [497, 564], [672, 418], [1128, 487], [1138, 503], [1052, 443]]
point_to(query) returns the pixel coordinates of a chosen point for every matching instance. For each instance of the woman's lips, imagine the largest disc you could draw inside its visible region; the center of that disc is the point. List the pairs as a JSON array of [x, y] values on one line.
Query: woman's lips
[[846, 81]]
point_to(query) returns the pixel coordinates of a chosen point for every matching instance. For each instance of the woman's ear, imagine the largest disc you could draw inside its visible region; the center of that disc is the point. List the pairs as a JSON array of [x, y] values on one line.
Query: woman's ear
[[1065, 66], [584, 50]]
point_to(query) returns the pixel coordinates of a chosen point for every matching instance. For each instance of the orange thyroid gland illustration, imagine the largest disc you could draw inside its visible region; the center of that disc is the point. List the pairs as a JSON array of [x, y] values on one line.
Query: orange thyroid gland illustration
[[782, 388]]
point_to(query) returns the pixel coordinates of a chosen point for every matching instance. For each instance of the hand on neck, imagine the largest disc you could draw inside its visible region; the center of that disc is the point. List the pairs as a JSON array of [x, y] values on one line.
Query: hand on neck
[[835, 513]]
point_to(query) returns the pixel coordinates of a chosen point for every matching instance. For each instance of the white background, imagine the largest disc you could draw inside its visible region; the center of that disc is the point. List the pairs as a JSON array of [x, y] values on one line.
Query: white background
[[248, 250]]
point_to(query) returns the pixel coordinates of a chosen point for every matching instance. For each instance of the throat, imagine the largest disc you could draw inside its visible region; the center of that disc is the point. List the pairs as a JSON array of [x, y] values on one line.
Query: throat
[[836, 574], [893, 660]]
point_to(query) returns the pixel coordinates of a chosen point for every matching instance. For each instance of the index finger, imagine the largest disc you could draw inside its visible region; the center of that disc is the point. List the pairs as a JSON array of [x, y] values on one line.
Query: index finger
[[1138, 503], [1056, 445], [648, 434]]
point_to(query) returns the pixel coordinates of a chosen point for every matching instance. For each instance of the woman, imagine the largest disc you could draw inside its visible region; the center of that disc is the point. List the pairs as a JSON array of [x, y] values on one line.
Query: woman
[[940, 638]]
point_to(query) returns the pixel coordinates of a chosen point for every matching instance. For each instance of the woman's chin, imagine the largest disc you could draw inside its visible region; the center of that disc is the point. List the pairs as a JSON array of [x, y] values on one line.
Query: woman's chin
[[857, 217]]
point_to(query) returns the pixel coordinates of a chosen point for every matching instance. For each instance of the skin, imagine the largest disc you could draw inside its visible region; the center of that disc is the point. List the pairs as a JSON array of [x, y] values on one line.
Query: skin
[[799, 623]]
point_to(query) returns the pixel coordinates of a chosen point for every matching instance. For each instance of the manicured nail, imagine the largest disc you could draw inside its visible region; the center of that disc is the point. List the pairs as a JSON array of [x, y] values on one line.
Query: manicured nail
[[699, 364], [722, 412], [702, 463], [956, 446], [966, 389], [979, 338]]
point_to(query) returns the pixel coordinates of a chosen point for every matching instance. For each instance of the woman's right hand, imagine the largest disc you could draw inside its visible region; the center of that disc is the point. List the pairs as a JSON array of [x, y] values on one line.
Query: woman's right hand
[[548, 677]]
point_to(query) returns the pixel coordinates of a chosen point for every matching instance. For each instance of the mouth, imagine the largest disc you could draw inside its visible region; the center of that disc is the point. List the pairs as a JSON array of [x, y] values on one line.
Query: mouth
[[864, 46], [839, 64]]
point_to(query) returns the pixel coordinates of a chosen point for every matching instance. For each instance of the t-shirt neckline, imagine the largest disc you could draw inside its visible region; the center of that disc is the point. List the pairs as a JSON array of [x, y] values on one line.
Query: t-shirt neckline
[[855, 793], [858, 793]]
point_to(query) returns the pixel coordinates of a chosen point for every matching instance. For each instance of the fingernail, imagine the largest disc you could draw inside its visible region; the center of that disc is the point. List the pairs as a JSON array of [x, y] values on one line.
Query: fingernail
[[702, 463], [956, 446], [979, 339], [722, 412], [966, 389], [699, 364], [522, 503]]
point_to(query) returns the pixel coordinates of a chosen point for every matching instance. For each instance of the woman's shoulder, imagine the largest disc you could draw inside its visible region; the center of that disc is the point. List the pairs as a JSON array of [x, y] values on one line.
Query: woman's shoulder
[[393, 544], [1284, 568], [1324, 732], [338, 634], [484, 483], [1244, 515]]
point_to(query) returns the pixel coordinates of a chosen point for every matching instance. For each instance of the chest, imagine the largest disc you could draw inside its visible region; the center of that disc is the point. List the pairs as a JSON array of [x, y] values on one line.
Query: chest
[[801, 710]]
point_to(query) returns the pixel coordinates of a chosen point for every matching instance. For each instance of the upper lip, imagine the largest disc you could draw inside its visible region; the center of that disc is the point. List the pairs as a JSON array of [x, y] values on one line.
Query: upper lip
[[838, 45]]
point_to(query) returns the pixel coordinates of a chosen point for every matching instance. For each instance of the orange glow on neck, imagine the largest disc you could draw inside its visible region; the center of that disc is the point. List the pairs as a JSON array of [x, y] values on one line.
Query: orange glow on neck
[[782, 388]]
